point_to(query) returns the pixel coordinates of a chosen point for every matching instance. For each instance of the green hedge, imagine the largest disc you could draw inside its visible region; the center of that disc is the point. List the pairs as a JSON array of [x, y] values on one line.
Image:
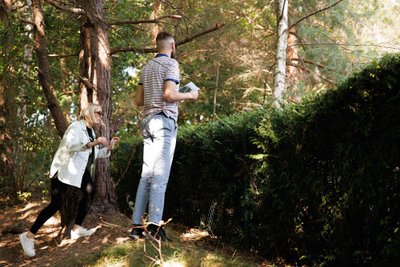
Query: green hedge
[[332, 189], [314, 183], [211, 165]]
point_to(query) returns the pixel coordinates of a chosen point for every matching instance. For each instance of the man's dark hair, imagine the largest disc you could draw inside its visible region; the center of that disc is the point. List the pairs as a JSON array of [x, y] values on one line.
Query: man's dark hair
[[163, 40], [161, 36]]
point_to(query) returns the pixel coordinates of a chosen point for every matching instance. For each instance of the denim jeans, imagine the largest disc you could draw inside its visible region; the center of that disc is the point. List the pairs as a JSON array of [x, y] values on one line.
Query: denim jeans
[[158, 151]]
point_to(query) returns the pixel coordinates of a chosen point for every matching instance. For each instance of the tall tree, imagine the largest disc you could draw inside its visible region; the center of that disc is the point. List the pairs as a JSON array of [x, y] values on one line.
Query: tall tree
[[95, 73]]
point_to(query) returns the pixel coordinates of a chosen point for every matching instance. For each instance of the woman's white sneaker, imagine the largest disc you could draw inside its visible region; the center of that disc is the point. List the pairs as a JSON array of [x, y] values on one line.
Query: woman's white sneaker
[[80, 232], [28, 245]]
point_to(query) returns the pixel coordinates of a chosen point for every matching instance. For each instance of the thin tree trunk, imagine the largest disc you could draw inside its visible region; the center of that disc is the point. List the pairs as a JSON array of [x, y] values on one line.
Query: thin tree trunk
[[44, 70], [281, 52], [292, 71], [215, 92]]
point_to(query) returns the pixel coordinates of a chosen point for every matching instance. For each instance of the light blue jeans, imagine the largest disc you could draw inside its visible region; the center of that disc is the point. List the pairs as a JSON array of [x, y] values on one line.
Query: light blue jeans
[[158, 151]]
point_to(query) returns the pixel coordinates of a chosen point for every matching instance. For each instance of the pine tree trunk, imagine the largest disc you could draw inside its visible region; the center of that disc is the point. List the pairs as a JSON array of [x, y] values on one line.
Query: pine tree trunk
[[292, 71], [155, 29], [95, 67]]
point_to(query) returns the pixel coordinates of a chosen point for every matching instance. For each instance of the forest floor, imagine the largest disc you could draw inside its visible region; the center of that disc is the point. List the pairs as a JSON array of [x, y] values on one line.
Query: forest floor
[[110, 245]]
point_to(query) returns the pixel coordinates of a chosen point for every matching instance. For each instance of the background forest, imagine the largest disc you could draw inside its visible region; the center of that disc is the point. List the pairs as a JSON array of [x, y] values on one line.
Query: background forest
[[228, 48]]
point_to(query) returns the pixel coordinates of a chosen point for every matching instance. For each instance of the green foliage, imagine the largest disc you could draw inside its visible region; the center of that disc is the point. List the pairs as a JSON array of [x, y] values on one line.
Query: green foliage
[[126, 166], [331, 168], [32, 137]]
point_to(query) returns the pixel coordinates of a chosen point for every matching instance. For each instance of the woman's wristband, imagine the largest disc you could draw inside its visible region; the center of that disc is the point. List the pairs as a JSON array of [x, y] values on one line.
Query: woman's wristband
[[91, 144]]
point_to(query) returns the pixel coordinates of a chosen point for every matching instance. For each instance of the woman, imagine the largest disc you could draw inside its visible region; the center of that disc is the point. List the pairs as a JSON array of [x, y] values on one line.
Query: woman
[[73, 165]]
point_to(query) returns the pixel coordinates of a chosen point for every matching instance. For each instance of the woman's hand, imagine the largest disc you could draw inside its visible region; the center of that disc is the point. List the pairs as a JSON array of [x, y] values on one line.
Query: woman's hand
[[101, 140], [113, 142]]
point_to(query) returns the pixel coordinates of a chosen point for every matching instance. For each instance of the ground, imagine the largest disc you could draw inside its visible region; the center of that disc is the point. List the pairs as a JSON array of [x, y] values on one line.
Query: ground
[[112, 229]]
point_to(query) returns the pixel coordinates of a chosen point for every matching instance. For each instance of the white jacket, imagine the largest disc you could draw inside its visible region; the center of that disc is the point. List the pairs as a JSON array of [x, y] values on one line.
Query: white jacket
[[72, 155]]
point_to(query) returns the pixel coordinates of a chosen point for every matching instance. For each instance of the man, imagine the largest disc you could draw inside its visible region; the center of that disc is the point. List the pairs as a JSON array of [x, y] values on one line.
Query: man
[[158, 93]]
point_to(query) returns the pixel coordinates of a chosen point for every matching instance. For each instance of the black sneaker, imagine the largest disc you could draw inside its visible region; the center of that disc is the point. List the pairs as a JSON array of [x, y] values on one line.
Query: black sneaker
[[157, 232], [137, 232]]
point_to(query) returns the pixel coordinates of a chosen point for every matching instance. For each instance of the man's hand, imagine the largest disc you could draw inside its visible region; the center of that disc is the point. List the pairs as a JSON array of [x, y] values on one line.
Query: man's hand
[[194, 94]]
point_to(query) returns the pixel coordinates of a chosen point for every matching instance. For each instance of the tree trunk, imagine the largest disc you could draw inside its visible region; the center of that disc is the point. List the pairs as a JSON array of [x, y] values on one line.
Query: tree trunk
[[7, 179], [292, 71], [44, 70], [155, 29], [5, 7], [281, 52], [95, 71], [95, 68]]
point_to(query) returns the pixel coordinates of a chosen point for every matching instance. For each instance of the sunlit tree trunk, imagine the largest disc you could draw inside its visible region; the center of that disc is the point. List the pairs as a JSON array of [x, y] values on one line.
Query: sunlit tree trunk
[[292, 70], [280, 72], [155, 29], [5, 7]]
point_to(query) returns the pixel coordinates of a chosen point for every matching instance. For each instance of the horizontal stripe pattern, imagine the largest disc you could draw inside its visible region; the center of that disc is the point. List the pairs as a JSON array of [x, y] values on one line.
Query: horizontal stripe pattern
[[153, 75]]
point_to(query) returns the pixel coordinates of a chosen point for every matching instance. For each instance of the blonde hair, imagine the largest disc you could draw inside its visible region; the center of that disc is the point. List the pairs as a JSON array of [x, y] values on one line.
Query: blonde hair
[[87, 113]]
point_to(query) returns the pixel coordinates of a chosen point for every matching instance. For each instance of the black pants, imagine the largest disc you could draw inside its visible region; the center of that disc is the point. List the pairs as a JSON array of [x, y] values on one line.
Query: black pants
[[58, 192]]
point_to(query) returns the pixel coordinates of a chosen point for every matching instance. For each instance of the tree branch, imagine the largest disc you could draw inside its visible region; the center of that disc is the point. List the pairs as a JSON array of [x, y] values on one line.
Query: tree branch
[[63, 7], [307, 61], [154, 50], [310, 71], [65, 55], [27, 21], [314, 13], [86, 82], [191, 38], [156, 20]]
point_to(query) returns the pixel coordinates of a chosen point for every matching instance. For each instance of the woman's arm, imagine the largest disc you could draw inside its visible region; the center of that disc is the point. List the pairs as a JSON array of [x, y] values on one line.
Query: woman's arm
[[106, 151]]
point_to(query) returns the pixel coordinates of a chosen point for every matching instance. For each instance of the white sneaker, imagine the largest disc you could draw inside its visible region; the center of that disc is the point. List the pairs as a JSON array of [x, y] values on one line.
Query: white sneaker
[[80, 232], [28, 245]]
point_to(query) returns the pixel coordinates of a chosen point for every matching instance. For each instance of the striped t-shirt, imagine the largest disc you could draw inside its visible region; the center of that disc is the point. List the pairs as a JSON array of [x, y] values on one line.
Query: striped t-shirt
[[158, 70]]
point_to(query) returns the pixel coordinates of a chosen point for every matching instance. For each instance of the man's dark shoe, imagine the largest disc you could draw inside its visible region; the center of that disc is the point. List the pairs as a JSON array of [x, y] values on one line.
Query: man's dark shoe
[[137, 232], [157, 232]]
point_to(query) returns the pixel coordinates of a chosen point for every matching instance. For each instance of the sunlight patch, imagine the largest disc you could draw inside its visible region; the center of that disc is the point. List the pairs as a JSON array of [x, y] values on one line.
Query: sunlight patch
[[173, 263], [194, 234]]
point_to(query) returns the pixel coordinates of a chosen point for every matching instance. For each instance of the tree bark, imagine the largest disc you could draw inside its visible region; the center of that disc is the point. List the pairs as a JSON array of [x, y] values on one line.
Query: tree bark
[[95, 68], [44, 70], [280, 72], [155, 29], [7, 179], [292, 71]]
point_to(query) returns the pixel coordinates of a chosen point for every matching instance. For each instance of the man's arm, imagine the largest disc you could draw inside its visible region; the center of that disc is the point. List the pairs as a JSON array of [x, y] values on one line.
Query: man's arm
[[173, 95], [139, 98]]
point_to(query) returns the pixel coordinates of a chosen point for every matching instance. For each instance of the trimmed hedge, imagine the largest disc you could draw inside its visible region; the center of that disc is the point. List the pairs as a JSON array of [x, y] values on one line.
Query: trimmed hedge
[[211, 164], [315, 183], [332, 192]]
